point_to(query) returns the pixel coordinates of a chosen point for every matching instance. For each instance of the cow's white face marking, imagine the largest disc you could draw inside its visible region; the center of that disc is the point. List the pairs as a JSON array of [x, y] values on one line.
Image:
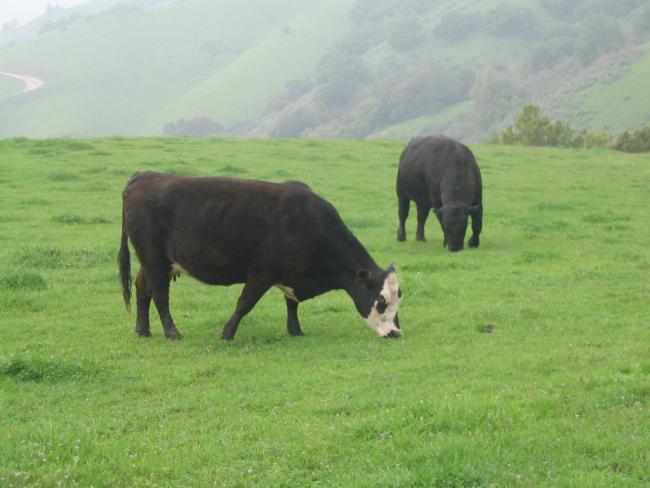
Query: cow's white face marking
[[288, 292], [384, 323]]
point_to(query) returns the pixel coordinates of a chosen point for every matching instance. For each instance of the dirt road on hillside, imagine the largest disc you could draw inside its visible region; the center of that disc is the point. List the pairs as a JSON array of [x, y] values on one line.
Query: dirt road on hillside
[[31, 82]]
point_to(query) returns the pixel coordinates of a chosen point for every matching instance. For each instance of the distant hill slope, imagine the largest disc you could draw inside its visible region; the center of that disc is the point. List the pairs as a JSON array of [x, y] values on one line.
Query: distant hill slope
[[110, 72], [326, 68]]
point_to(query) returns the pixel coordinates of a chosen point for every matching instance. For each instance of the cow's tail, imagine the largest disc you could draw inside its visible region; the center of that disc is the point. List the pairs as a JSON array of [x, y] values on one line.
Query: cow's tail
[[124, 261]]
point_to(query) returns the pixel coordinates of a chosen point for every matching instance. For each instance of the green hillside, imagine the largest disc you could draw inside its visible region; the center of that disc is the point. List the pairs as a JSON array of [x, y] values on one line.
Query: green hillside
[[326, 68], [240, 91], [621, 104], [108, 73], [9, 86]]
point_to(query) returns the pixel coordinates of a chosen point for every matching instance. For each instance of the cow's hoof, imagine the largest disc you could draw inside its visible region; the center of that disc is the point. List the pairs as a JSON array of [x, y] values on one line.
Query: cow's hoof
[[226, 338], [143, 333], [296, 333], [473, 242], [401, 235], [173, 335], [420, 238]]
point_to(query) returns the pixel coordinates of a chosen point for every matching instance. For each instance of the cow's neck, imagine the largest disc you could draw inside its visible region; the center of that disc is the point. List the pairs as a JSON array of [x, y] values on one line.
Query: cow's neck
[[345, 258]]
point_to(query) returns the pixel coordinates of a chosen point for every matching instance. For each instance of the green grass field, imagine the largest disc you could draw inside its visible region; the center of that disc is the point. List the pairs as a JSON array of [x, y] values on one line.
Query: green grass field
[[556, 395]]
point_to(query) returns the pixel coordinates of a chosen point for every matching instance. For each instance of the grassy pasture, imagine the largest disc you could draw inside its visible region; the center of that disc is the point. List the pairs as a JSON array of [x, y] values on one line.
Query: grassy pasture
[[556, 395]]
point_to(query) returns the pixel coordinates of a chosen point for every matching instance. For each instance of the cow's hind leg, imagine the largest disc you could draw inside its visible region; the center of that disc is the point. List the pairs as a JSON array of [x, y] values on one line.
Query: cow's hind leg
[[403, 213], [293, 324], [143, 294], [159, 281], [477, 226], [423, 214], [253, 290]]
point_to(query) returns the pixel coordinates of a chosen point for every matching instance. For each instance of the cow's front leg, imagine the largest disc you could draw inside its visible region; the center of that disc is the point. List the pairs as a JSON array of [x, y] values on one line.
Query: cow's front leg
[[423, 214], [143, 294], [253, 290], [403, 213], [293, 325], [477, 226]]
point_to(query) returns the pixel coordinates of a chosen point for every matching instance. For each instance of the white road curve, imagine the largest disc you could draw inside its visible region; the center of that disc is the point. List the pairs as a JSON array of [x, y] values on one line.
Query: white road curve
[[31, 82]]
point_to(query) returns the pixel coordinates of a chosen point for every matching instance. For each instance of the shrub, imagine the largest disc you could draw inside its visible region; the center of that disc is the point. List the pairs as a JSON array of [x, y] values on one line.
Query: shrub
[[532, 128], [196, 127], [635, 142], [406, 34]]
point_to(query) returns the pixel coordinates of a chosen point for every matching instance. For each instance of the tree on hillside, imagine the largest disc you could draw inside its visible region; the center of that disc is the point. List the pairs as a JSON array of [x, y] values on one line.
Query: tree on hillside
[[456, 26], [294, 122], [195, 127], [642, 21], [532, 128], [406, 34], [552, 51], [508, 20], [292, 91], [598, 35], [495, 97], [635, 142], [340, 79], [425, 88]]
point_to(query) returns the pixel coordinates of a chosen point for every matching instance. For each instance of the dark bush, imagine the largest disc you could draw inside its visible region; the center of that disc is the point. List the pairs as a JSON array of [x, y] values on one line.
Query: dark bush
[[598, 35], [294, 123], [340, 80], [457, 26], [425, 88], [551, 52], [507, 20], [406, 34], [532, 128], [634, 142], [196, 127], [495, 97], [291, 92]]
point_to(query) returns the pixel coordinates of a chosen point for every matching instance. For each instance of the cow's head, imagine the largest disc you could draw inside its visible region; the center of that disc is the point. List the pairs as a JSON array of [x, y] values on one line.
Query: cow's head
[[453, 219], [377, 297]]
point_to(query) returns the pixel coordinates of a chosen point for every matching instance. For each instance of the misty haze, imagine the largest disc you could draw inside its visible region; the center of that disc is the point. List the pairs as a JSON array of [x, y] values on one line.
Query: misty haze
[[323, 68]]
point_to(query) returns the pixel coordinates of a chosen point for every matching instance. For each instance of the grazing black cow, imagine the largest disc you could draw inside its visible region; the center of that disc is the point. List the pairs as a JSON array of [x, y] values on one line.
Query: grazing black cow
[[224, 231], [441, 173]]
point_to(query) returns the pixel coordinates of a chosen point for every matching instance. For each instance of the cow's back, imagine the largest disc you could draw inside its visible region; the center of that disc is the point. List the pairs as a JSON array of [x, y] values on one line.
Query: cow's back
[[437, 170], [218, 228]]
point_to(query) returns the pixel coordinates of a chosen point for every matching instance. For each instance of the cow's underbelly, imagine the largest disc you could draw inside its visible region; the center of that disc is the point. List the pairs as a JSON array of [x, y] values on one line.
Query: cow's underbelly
[[212, 275]]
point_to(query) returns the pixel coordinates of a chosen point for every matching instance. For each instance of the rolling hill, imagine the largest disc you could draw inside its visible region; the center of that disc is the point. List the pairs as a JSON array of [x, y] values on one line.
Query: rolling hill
[[325, 68]]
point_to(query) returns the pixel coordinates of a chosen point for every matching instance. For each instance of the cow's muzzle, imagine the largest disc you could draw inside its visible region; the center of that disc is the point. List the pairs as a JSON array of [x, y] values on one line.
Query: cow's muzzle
[[393, 334]]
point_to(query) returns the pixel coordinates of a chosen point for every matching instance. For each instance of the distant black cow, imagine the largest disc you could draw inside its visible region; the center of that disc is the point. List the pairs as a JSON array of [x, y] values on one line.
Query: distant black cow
[[224, 231], [441, 173]]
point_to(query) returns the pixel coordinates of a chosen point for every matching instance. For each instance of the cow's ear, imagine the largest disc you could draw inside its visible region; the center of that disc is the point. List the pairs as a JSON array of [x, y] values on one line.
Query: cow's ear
[[363, 275]]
